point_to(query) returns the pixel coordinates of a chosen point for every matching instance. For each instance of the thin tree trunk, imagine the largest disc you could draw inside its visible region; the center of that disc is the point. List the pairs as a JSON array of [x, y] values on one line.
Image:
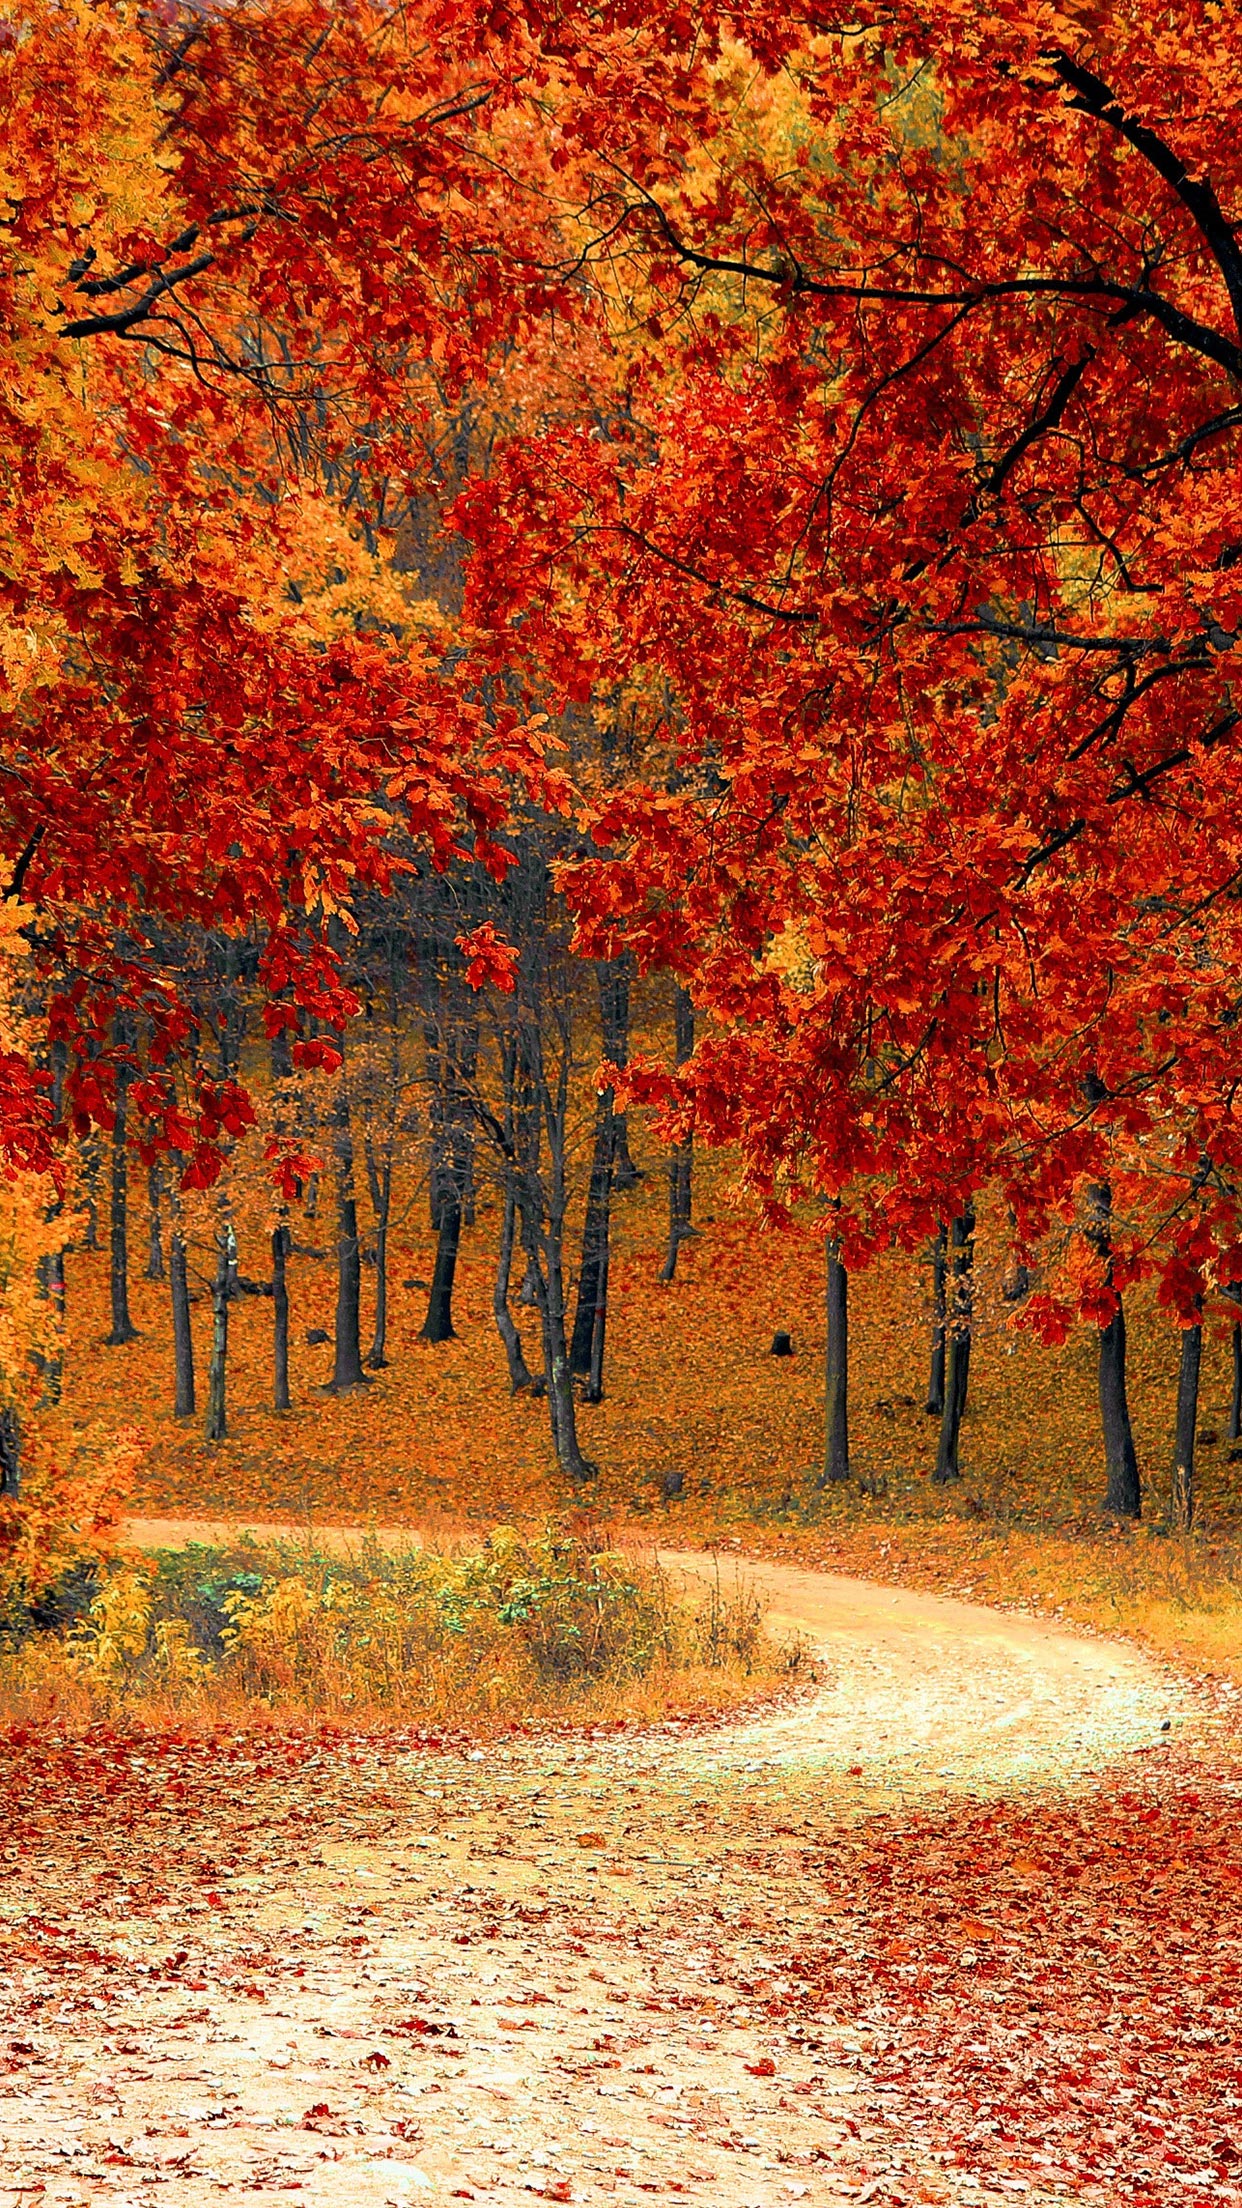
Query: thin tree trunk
[[183, 1339], [123, 1328], [379, 1178], [959, 1319], [614, 1002], [837, 1368], [934, 1405], [217, 1372], [52, 1288], [520, 1376], [51, 1271], [1123, 1490], [599, 1330], [595, 1231], [543, 1237], [282, 1055], [155, 1232], [1184, 1433], [681, 1163], [281, 1397], [10, 1450], [90, 1183], [561, 1406], [347, 1369], [1234, 1292]]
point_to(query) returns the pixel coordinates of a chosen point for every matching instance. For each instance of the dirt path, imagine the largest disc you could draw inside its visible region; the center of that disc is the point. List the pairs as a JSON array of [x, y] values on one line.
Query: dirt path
[[550, 1970]]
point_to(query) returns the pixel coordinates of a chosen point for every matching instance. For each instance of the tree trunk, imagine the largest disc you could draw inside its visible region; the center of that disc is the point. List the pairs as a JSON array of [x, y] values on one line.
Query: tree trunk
[[347, 1369], [520, 1375], [595, 1369], [123, 1328], [90, 1184], [10, 1450], [217, 1372], [959, 1316], [52, 1287], [281, 1397], [934, 1405], [837, 1368], [562, 1410], [595, 1230], [379, 1178], [155, 1233], [1183, 1512], [681, 1163], [281, 1055], [183, 1339], [1123, 1490], [438, 1324], [51, 1268], [614, 978], [1234, 1292]]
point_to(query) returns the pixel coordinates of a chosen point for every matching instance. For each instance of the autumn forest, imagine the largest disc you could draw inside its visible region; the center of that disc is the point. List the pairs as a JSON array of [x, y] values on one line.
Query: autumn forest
[[620, 1101]]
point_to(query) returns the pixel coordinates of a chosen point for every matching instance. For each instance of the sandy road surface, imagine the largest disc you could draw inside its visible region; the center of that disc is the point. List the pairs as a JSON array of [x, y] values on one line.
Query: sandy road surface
[[545, 1971]]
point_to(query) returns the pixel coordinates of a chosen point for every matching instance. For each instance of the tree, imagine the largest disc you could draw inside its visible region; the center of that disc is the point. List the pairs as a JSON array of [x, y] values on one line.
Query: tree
[[210, 293], [947, 626]]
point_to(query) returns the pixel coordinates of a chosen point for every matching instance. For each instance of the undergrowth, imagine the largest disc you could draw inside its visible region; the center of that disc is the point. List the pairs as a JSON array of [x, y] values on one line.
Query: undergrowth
[[518, 1626]]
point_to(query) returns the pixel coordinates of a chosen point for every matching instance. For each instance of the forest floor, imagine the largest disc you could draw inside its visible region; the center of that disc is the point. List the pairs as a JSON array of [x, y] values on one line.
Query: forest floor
[[958, 1923]]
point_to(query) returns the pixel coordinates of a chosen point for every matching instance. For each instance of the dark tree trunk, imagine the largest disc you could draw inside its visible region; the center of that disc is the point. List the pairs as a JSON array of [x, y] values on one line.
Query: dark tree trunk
[[155, 1232], [934, 1405], [837, 1370], [217, 1372], [347, 1369], [1184, 1433], [52, 1288], [614, 1004], [91, 1167], [1234, 1292], [592, 1276], [183, 1339], [1123, 1490], [232, 1012], [282, 1055], [10, 1450], [959, 1317], [547, 1271], [123, 1328], [520, 1375], [681, 1163], [595, 1369], [281, 1397], [51, 1270], [438, 1324], [379, 1178]]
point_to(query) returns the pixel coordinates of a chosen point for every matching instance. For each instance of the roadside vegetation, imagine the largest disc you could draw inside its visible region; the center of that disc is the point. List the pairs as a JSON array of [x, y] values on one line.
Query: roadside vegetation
[[459, 1637]]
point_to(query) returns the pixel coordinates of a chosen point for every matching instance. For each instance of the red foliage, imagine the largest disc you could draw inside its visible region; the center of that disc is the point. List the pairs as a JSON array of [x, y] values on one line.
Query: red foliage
[[1054, 1986]]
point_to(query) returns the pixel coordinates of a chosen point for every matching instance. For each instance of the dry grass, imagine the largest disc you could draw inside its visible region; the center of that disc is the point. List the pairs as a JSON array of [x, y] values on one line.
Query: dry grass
[[445, 1638]]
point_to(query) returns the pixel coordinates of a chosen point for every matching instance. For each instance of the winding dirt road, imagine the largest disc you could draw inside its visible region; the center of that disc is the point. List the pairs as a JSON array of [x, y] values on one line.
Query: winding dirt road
[[550, 1970]]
